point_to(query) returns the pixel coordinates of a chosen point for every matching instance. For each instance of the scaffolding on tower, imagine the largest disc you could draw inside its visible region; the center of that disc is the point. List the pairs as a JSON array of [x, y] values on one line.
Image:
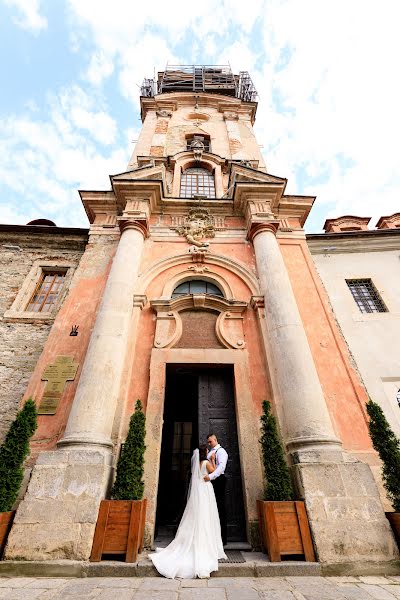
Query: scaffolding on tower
[[215, 79]]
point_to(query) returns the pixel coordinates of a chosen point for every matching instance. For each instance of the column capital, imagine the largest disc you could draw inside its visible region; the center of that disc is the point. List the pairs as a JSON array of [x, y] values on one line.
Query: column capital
[[255, 228], [141, 225]]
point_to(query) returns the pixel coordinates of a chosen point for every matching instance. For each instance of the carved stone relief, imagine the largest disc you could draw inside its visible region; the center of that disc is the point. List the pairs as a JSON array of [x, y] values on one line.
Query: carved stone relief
[[197, 226], [163, 113]]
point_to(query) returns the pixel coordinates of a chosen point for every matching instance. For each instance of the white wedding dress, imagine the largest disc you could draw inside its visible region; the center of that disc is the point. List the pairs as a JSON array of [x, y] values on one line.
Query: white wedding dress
[[197, 546]]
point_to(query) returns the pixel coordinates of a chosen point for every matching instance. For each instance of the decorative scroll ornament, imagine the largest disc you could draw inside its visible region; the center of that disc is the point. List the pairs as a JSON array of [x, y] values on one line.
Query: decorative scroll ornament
[[197, 147], [197, 226]]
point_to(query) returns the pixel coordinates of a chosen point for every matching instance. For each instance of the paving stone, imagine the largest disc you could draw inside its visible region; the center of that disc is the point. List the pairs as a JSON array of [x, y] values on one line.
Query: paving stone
[[203, 594], [374, 580], [19, 594], [353, 592], [230, 582], [393, 589], [116, 594], [272, 583], [76, 587], [194, 583], [159, 583], [118, 582], [156, 595], [377, 592], [275, 595], [344, 579], [310, 580], [44, 583], [242, 593], [15, 582]]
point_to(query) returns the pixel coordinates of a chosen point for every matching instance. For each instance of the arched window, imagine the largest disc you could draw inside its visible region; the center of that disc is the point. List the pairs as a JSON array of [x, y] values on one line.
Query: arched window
[[197, 182], [196, 286]]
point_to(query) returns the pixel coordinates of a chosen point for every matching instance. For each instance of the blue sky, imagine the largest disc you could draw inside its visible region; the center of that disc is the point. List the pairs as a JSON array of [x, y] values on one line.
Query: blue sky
[[326, 73]]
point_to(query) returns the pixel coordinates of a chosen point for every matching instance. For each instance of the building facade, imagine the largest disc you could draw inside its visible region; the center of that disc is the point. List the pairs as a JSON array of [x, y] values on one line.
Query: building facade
[[359, 268], [197, 294]]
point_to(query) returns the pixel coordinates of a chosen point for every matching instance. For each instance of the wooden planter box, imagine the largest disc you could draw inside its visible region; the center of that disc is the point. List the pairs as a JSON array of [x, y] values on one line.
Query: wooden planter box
[[119, 529], [6, 520], [394, 520], [284, 530]]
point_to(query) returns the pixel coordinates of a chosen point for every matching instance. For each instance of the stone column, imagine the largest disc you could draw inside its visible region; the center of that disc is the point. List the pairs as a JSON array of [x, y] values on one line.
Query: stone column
[[306, 421], [340, 493], [57, 517], [92, 414]]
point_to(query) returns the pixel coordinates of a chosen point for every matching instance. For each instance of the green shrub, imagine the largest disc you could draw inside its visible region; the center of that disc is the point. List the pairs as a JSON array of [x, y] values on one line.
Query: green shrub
[[279, 485], [13, 453], [128, 483], [387, 445]]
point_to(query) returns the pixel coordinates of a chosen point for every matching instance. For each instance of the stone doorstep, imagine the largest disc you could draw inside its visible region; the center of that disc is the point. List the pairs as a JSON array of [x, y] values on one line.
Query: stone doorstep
[[257, 567], [144, 568]]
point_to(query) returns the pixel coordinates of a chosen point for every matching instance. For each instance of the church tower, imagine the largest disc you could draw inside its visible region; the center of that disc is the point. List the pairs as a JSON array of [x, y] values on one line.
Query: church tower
[[197, 295]]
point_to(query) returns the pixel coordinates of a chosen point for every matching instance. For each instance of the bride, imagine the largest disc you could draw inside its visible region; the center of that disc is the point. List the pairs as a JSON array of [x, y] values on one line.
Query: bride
[[197, 545]]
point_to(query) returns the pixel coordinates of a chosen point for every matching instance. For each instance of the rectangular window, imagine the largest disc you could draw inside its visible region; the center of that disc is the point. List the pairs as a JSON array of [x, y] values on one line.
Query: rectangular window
[[366, 295], [46, 292]]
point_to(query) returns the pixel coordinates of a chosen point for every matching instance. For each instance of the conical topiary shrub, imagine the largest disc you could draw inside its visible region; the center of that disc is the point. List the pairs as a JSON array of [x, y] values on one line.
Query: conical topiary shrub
[[128, 483], [278, 483], [387, 445], [13, 453]]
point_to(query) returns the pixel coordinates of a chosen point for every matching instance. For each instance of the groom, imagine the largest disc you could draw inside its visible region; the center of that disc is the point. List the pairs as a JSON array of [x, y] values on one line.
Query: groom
[[218, 480]]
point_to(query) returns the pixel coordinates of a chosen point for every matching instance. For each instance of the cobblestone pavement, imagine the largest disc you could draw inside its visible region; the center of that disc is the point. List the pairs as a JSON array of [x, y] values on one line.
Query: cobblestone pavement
[[218, 588]]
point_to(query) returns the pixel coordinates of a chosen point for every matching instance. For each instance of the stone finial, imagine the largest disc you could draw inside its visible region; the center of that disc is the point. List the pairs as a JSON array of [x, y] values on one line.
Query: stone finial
[[390, 222], [346, 223]]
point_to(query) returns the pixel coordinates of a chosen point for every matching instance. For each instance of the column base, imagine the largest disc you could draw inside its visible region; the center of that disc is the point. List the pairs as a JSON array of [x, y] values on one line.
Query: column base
[[346, 516], [57, 517]]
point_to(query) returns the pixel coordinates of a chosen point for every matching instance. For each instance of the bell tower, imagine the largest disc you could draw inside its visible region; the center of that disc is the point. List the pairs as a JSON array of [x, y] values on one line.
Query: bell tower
[[201, 260]]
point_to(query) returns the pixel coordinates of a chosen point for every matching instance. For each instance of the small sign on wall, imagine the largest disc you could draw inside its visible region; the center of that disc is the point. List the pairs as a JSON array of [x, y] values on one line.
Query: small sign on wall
[[57, 374]]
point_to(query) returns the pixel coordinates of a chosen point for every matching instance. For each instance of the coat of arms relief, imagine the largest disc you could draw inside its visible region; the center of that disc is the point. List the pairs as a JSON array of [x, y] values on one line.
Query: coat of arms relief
[[197, 226]]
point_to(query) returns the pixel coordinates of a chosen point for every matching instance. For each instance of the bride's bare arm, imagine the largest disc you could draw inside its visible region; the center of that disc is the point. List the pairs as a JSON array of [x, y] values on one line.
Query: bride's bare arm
[[210, 464]]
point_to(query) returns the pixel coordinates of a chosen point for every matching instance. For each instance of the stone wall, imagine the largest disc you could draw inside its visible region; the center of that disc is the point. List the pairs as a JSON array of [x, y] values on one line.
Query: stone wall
[[22, 342]]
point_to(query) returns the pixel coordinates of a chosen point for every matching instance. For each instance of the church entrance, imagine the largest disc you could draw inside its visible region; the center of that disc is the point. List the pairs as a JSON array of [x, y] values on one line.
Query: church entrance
[[198, 400]]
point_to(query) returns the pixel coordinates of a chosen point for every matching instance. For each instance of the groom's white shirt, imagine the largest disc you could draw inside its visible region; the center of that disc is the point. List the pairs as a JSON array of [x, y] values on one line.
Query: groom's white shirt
[[221, 459]]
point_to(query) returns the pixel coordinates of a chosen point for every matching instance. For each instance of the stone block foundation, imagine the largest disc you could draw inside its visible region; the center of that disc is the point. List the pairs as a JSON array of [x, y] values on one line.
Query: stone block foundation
[[57, 518], [346, 516]]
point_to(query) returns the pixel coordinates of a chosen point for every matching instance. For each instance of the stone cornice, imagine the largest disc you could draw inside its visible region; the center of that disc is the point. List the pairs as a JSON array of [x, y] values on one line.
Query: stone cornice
[[198, 301], [172, 100], [98, 202], [380, 240]]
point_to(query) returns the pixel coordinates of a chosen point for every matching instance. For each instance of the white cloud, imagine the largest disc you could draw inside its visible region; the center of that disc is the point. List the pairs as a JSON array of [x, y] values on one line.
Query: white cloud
[[342, 98], [100, 68], [326, 73], [29, 15], [56, 157]]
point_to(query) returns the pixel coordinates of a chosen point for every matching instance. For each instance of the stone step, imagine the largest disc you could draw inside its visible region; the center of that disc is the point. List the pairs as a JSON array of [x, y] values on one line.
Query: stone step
[[256, 565]]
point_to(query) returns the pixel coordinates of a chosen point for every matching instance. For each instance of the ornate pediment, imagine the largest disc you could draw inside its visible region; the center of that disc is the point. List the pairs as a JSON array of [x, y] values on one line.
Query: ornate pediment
[[244, 171]]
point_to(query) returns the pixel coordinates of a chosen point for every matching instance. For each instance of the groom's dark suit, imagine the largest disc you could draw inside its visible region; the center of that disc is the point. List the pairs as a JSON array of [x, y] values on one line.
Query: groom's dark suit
[[218, 480]]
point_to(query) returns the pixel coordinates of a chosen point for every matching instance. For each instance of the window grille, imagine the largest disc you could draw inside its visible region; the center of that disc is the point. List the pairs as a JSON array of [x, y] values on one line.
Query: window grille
[[200, 138], [366, 295], [197, 182], [46, 292], [196, 286]]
